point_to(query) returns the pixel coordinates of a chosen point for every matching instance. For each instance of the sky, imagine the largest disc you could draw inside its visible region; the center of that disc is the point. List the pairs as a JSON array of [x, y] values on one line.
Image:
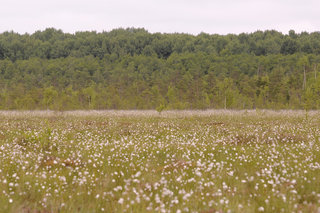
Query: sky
[[165, 16]]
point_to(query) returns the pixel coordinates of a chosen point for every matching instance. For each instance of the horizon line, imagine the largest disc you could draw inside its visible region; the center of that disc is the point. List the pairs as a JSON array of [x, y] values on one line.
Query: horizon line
[[154, 32]]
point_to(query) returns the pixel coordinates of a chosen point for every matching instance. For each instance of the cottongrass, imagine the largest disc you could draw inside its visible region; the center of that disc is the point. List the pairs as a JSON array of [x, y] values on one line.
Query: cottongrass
[[173, 161]]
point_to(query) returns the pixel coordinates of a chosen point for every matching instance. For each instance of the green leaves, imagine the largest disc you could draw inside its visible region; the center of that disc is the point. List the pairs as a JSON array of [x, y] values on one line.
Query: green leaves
[[133, 69]]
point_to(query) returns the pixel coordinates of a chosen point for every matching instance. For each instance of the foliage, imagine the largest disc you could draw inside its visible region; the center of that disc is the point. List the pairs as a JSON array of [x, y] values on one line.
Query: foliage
[[134, 69]]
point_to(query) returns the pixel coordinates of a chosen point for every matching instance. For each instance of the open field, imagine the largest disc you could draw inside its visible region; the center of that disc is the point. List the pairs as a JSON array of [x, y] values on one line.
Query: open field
[[143, 161]]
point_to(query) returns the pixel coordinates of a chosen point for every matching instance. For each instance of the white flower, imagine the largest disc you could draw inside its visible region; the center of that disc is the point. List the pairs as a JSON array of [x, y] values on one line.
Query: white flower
[[230, 173], [261, 209], [138, 174], [198, 173], [251, 179], [120, 201]]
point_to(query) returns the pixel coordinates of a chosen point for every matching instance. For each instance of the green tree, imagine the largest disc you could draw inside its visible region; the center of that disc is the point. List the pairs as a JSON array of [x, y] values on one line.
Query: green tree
[[90, 97], [49, 97]]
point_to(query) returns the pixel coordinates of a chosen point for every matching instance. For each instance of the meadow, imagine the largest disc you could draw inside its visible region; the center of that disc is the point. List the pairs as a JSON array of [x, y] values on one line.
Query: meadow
[[173, 161]]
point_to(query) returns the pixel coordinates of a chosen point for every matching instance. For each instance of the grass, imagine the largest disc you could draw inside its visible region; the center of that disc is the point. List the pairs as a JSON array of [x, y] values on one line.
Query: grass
[[143, 161]]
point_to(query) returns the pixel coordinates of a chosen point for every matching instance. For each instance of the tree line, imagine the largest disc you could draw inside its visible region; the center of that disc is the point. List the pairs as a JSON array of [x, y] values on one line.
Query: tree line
[[134, 69]]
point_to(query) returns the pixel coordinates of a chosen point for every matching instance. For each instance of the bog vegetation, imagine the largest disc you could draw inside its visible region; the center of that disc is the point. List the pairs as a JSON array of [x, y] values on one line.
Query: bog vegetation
[[134, 69], [145, 161]]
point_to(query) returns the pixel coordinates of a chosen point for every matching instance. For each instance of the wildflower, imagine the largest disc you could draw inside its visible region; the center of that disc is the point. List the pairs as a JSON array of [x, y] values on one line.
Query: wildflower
[[120, 201], [230, 173], [198, 173], [137, 174]]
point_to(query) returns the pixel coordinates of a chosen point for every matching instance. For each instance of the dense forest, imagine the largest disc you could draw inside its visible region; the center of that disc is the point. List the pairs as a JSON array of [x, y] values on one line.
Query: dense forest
[[134, 69]]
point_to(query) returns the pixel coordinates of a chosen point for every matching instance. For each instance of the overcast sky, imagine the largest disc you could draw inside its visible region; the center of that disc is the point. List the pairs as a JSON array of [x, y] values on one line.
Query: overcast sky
[[187, 16]]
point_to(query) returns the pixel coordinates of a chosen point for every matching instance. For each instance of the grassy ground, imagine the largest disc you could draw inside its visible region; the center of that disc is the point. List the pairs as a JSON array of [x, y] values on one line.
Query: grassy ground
[[127, 161]]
